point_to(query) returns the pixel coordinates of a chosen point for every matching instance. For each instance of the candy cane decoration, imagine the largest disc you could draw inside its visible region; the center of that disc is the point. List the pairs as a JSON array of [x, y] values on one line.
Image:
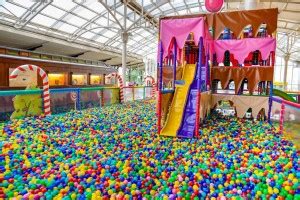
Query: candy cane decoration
[[152, 80], [42, 73], [120, 80]]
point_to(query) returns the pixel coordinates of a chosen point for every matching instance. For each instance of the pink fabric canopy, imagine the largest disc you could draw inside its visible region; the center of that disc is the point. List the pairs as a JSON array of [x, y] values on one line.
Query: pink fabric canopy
[[241, 48], [180, 29]]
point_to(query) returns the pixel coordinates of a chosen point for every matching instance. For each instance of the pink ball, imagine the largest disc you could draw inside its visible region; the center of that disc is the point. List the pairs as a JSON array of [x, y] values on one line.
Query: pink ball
[[213, 5], [180, 178]]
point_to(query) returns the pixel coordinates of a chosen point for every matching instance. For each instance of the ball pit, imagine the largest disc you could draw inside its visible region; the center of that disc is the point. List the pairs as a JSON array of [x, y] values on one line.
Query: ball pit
[[114, 152]]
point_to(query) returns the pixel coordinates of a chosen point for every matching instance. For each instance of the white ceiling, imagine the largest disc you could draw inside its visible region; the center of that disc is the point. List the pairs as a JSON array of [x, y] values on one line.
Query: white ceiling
[[92, 27]]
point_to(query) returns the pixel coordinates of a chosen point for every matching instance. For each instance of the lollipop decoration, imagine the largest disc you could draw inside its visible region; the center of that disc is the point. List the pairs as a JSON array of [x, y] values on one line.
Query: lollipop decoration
[[74, 99], [43, 74], [213, 5]]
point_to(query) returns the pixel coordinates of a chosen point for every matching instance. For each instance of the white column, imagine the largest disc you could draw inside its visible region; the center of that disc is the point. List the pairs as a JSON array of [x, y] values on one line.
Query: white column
[[286, 64], [124, 36], [124, 55]]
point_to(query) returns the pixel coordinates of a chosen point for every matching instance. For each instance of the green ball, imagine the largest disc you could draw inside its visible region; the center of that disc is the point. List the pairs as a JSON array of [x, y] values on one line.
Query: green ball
[[290, 197]]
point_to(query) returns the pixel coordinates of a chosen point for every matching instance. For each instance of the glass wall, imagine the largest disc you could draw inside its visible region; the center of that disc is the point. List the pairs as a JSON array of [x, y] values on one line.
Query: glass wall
[[293, 78]]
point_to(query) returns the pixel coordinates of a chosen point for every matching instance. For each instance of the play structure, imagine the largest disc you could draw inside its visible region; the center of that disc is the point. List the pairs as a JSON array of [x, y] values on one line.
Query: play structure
[[200, 59]]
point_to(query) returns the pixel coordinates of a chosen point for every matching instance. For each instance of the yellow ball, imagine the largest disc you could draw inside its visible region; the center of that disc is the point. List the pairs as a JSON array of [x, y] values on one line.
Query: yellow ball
[[270, 190], [110, 192], [287, 188], [295, 180], [152, 192]]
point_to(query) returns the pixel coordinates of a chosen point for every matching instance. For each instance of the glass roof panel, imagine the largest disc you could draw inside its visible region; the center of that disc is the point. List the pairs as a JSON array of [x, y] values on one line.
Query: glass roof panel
[[192, 1], [43, 20], [85, 13], [108, 33], [96, 7], [183, 12], [155, 12], [195, 9], [88, 35], [144, 2], [116, 44], [178, 3], [53, 12], [76, 21], [101, 39], [102, 21], [80, 12], [25, 3], [15, 10], [67, 28], [65, 4], [166, 6]]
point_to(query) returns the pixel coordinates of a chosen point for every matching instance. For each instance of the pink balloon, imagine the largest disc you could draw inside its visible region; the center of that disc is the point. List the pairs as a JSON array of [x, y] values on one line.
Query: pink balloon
[[213, 5]]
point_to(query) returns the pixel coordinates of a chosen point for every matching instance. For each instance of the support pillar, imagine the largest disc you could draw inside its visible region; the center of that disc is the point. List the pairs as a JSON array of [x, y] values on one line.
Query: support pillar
[[286, 63], [124, 36]]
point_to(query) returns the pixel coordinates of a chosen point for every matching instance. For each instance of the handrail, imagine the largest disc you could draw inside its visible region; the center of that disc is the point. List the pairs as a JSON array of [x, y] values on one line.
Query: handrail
[[60, 90], [278, 100], [18, 92]]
